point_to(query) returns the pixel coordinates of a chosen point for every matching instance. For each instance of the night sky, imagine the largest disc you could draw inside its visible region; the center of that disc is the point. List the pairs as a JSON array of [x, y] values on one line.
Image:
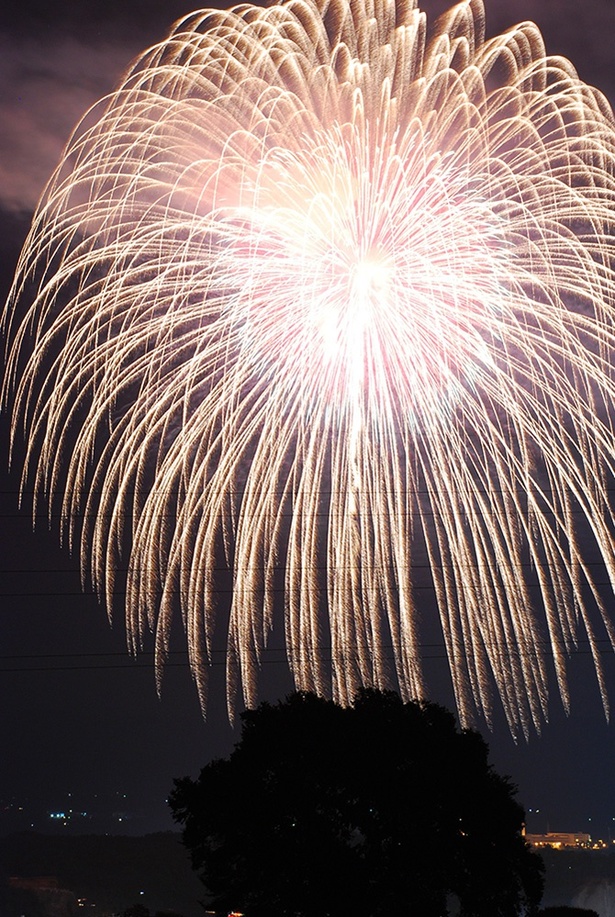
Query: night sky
[[77, 715]]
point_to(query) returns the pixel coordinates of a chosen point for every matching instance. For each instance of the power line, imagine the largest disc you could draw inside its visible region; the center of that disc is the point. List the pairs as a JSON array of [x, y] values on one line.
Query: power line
[[132, 664]]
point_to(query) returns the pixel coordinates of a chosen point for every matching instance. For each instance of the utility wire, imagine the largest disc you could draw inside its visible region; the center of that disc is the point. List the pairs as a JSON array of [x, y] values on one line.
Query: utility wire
[[132, 664]]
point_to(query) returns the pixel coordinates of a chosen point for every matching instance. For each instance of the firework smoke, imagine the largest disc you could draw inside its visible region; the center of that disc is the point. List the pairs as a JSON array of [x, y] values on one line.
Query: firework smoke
[[319, 293]]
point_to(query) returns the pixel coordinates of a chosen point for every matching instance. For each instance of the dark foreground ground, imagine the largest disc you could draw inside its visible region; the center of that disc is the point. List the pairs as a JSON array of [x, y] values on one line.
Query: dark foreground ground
[[105, 874], [97, 876]]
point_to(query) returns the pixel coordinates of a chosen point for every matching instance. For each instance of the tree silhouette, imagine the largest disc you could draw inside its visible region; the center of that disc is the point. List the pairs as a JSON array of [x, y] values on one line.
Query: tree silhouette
[[382, 808]]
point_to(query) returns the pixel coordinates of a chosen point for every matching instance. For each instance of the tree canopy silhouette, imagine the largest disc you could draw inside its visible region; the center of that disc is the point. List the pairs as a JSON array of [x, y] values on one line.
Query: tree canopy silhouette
[[382, 808]]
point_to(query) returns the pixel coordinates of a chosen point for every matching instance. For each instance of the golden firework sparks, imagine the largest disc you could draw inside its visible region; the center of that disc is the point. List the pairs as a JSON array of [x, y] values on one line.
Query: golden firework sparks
[[322, 291]]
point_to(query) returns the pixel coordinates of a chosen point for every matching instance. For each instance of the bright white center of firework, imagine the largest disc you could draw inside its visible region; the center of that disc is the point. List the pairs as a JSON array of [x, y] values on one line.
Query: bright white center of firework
[[336, 282], [373, 275], [345, 323]]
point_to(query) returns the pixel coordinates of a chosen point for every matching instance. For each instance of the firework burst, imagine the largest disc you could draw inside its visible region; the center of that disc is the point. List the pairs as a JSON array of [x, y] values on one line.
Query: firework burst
[[319, 294]]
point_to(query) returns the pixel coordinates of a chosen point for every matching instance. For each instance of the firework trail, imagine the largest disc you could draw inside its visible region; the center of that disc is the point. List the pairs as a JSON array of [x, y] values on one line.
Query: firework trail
[[318, 293]]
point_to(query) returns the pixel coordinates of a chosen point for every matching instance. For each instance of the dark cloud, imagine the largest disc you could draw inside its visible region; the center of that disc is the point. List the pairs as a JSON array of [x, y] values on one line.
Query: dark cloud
[[56, 60], [46, 86], [130, 21], [581, 32]]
